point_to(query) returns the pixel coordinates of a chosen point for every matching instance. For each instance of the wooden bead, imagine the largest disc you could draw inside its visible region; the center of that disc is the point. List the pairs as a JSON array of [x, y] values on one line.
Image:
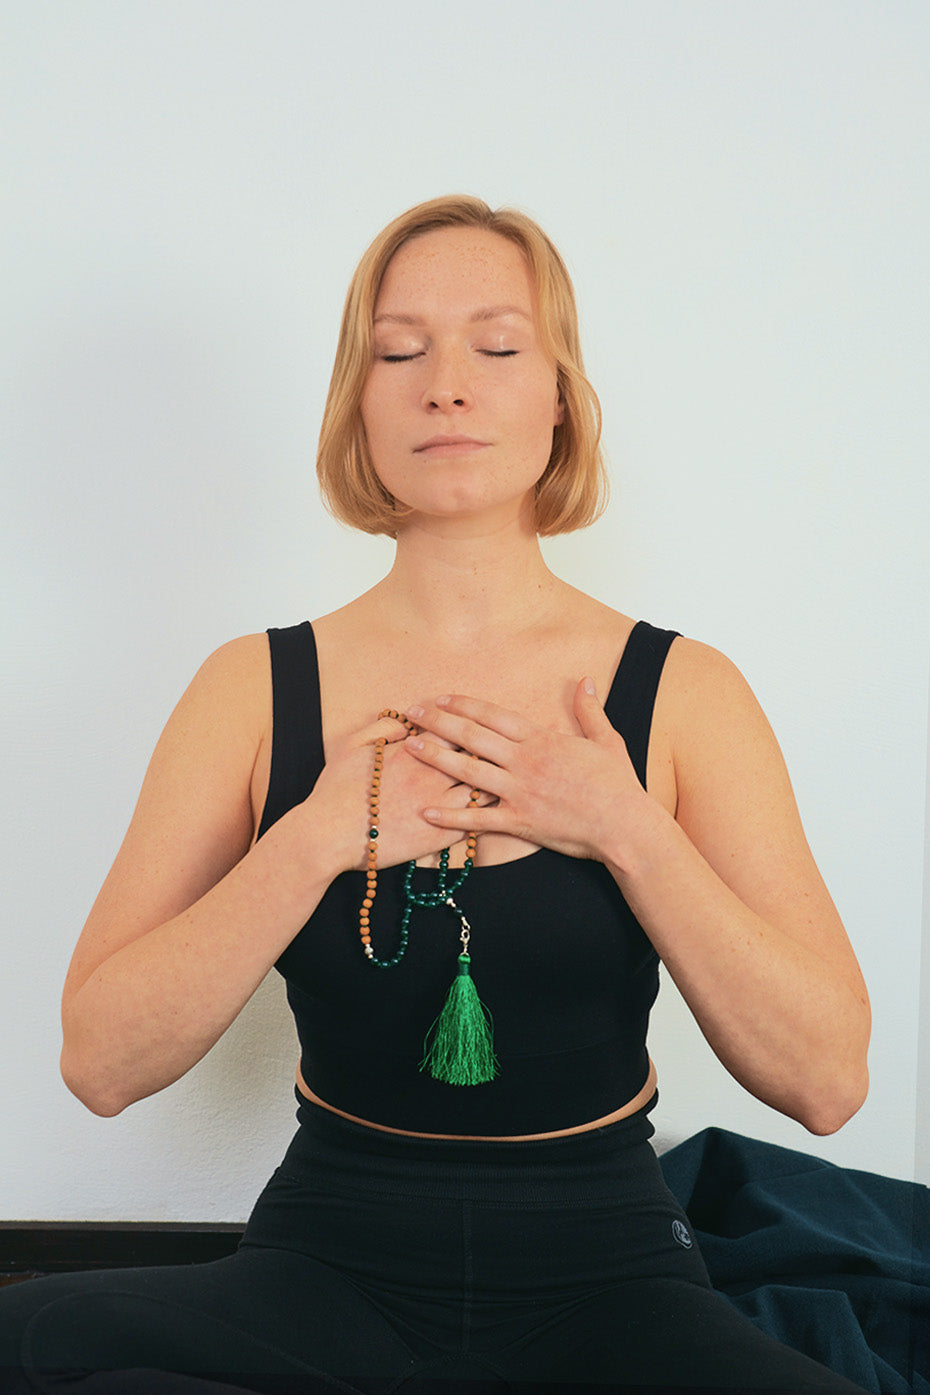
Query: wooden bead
[[371, 879]]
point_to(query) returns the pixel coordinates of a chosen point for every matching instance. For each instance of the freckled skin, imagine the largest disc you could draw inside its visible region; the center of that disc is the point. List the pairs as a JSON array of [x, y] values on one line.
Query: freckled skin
[[462, 372]]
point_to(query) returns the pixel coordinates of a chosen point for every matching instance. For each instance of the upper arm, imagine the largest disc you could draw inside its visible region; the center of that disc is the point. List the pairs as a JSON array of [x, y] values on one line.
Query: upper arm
[[194, 817], [735, 801]]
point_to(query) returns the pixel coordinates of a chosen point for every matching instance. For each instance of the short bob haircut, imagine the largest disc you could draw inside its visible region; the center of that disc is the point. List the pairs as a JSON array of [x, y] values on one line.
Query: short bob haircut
[[572, 490]]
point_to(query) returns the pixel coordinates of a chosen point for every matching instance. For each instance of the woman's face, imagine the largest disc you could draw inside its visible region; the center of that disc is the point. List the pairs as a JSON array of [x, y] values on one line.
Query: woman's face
[[460, 400]]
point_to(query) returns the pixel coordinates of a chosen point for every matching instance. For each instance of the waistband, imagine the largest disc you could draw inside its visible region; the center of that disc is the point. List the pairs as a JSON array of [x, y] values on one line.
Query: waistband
[[340, 1154]]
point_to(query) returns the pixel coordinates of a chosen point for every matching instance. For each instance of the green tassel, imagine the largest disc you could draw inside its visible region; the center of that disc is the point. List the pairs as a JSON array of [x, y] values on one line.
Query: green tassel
[[459, 1045]]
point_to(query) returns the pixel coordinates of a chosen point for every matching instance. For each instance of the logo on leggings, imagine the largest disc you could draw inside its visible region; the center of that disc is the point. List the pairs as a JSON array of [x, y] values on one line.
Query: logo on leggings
[[680, 1232]]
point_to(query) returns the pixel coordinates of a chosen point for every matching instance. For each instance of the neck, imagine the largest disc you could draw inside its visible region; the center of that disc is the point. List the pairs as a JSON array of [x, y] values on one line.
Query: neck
[[457, 583]]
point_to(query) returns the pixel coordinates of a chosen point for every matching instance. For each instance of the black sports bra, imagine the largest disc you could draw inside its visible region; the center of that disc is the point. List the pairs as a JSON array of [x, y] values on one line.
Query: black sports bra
[[558, 957]]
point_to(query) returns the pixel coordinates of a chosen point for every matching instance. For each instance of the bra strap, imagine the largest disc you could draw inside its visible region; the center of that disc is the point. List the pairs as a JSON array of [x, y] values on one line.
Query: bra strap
[[297, 732], [632, 697]]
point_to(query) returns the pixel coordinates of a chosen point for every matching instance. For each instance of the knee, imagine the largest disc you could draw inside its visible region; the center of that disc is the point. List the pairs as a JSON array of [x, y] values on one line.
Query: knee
[[81, 1333]]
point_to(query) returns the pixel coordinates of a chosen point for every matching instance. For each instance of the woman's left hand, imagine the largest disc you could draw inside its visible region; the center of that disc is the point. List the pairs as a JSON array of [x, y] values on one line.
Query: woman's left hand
[[568, 793]]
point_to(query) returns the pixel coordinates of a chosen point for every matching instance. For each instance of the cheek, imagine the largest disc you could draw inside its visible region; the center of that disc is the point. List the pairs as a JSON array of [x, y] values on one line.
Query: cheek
[[544, 410], [542, 400], [385, 406], [367, 404], [371, 411]]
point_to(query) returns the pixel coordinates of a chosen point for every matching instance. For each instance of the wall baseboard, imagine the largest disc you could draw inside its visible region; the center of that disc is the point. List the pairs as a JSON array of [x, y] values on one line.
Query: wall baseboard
[[53, 1247]]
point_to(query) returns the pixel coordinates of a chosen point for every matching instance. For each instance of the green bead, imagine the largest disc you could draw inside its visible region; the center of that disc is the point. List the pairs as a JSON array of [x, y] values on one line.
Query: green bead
[[425, 900]]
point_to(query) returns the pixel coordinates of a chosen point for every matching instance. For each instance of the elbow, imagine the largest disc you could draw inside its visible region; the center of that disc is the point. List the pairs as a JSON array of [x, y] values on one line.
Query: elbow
[[841, 1087], [92, 1093], [835, 1106], [88, 1067]]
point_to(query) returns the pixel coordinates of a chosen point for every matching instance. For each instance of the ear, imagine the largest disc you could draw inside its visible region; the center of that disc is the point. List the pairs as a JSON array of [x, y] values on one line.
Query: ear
[[559, 414]]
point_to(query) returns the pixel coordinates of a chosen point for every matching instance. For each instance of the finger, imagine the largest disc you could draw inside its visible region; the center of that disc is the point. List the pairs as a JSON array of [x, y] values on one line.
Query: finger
[[589, 713], [462, 766], [469, 732], [442, 741], [489, 819], [487, 714], [385, 728]]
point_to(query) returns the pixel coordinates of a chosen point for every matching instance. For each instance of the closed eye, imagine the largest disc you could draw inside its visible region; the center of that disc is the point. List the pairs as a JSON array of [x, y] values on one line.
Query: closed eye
[[487, 353]]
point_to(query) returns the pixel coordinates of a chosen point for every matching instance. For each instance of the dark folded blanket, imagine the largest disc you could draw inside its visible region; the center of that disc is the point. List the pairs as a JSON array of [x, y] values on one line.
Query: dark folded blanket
[[831, 1261]]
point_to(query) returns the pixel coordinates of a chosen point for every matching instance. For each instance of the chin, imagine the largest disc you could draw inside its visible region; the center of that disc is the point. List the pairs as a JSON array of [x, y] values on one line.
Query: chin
[[474, 507]]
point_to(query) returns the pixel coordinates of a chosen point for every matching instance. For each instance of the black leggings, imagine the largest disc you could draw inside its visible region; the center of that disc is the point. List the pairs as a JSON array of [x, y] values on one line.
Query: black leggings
[[378, 1263]]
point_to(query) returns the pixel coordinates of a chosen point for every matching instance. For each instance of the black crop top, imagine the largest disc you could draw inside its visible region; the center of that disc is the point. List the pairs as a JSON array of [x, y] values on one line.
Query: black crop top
[[558, 958]]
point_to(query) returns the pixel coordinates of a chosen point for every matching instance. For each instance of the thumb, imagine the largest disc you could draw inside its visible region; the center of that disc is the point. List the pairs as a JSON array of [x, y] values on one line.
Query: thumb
[[389, 725], [589, 713]]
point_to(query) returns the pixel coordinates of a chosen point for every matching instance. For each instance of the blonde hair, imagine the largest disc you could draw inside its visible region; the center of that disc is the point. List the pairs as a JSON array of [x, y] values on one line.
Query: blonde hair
[[572, 490]]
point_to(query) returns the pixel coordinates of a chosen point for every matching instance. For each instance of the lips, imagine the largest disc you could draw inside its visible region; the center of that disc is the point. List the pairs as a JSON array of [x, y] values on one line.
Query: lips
[[451, 443]]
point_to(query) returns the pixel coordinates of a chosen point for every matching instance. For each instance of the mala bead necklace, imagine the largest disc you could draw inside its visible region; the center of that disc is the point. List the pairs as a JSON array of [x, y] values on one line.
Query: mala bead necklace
[[459, 1048]]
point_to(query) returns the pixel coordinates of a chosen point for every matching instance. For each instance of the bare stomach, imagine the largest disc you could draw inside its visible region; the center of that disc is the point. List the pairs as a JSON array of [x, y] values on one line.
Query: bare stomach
[[631, 1107]]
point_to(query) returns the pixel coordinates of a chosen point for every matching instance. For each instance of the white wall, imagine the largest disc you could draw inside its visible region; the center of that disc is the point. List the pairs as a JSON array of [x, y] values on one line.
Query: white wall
[[740, 189]]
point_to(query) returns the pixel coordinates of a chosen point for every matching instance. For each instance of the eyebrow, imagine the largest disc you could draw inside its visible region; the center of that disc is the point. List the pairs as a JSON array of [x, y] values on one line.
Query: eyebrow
[[486, 312]]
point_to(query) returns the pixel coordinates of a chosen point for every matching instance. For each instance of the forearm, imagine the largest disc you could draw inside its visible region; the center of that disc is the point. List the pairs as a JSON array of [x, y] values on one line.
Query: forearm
[[782, 1020], [149, 1012]]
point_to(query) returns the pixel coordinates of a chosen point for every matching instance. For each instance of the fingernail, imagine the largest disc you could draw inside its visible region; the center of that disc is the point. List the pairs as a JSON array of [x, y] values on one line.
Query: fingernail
[[415, 712], [443, 700], [589, 686], [431, 813], [415, 742]]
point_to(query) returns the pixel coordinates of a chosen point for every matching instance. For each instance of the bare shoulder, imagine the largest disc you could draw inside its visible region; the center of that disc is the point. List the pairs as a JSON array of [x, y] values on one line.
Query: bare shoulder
[[224, 719], [228, 697], [734, 795], [206, 753], [239, 673], [693, 665], [709, 713]]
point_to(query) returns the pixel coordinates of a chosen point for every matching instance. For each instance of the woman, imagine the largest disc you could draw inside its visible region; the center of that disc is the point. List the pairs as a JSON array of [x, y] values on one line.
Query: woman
[[486, 1207]]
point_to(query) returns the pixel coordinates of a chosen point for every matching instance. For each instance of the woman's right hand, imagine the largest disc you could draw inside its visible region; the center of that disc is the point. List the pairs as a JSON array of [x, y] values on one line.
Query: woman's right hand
[[339, 800]]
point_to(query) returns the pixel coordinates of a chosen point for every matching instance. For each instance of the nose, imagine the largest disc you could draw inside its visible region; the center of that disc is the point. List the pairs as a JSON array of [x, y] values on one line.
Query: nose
[[446, 388]]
